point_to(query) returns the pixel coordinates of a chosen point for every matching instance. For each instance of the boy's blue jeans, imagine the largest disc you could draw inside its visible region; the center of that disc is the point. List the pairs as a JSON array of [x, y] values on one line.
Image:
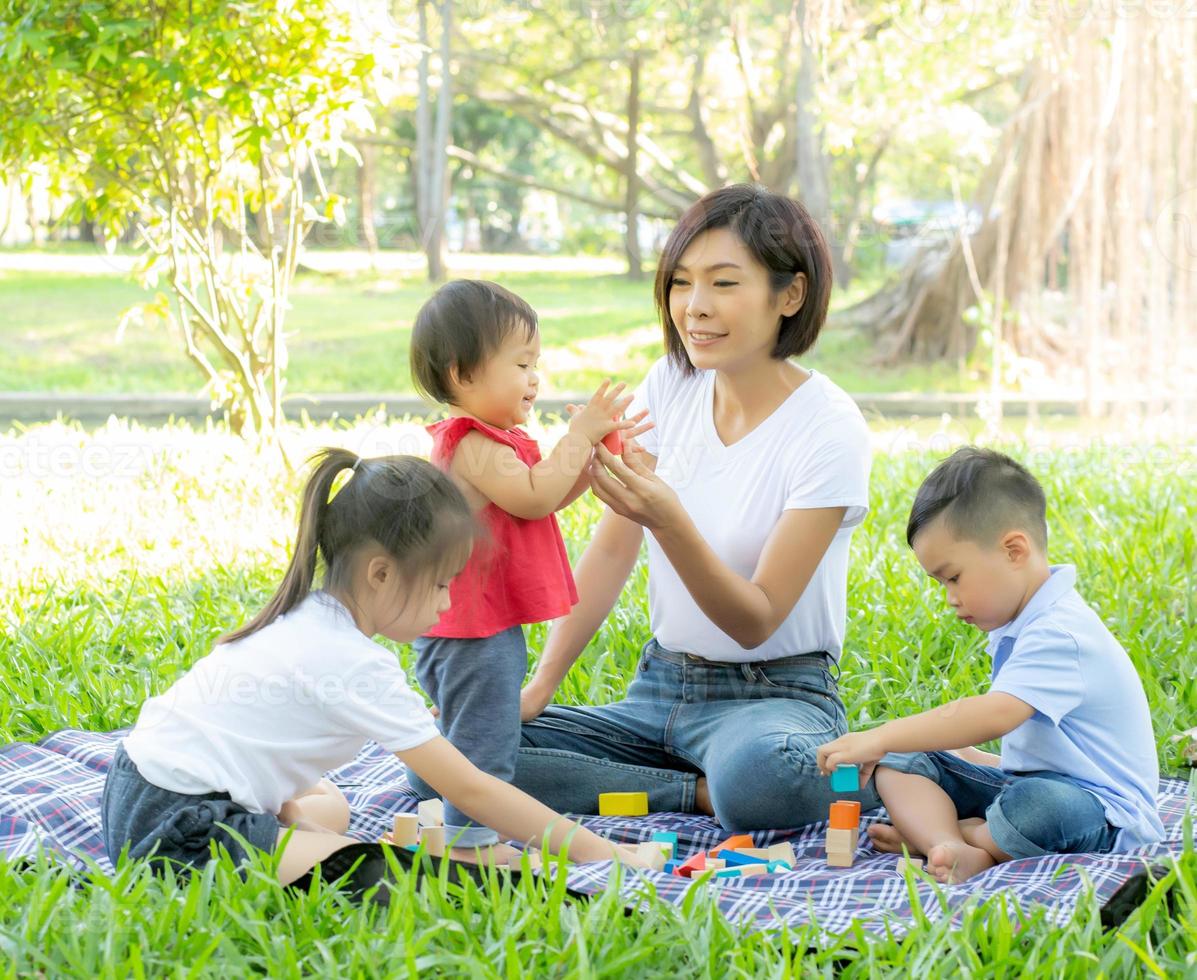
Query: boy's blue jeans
[[475, 683], [1029, 813], [751, 728]]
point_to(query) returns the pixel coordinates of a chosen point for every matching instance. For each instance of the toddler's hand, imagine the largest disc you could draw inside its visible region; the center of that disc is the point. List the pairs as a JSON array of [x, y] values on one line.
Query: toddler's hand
[[603, 413], [856, 748]]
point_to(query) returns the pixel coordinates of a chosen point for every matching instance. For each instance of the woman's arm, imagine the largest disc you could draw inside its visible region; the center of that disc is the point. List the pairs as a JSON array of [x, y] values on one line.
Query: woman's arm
[[600, 574], [514, 814], [749, 610]]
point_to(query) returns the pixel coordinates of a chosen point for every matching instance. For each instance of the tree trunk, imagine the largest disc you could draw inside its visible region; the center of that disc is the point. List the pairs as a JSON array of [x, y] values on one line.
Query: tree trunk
[[631, 207], [366, 183]]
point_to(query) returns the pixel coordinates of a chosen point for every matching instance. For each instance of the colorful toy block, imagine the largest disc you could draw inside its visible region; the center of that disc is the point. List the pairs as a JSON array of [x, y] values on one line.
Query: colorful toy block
[[736, 858], [776, 866], [845, 815], [845, 779], [760, 853], [433, 839], [733, 843], [614, 442], [623, 804], [651, 852], [695, 862], [716, 864], [671, 867], [783, 852], [743, 871], [431, 813], [666, 837], [406, 830]]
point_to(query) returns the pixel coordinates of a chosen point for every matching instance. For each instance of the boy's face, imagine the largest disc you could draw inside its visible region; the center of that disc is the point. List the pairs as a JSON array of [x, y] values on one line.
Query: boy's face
[[502, 391], [987, 585]]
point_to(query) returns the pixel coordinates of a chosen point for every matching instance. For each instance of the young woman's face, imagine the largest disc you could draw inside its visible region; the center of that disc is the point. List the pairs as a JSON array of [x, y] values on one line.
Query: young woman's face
[[503, 390], [722, 305]]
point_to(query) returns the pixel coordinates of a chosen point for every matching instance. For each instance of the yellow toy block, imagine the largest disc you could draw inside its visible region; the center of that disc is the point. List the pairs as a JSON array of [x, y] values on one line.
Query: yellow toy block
[[623, 804]]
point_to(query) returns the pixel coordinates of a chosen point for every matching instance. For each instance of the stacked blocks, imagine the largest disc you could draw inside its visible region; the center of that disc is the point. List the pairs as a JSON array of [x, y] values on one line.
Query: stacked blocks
[[426, 826], [843, 833]]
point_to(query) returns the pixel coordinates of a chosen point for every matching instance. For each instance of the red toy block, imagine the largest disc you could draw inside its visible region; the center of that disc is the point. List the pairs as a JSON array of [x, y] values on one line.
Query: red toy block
[[614, 442], [695, 862], [845, 815]]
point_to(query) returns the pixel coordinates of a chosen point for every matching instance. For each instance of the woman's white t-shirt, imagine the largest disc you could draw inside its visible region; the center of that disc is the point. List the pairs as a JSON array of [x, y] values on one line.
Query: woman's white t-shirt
[[812, 452], [265, 717]]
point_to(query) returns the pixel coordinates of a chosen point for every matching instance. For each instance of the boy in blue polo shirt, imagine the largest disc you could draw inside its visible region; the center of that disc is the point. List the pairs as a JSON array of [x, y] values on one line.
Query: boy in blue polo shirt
[[1078, 768]]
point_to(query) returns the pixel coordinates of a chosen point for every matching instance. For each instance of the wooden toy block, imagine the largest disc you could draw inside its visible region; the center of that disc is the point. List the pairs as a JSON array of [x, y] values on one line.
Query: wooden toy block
[[406, 829], [845, 779], [904, 863], [840, 859], [666, 837], [842, 840], [736, 859], [431, 813], [743, 871], [732, 843], [716, 864], [651, 852], [623, 804], [776, 866], [695, 862], [783, 852], [760, 853], [433, 839], [845, 815]]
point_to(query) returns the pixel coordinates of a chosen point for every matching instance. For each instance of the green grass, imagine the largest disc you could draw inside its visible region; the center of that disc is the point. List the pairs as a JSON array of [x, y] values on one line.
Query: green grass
[[121, 570], [350, 334]]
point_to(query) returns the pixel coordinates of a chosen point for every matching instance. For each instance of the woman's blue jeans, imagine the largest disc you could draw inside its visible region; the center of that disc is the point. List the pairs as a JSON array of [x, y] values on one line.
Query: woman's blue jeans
[[752, 729]]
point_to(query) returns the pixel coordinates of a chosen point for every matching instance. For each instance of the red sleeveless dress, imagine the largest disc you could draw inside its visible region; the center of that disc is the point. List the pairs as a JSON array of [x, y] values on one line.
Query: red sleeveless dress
[[521, 574]]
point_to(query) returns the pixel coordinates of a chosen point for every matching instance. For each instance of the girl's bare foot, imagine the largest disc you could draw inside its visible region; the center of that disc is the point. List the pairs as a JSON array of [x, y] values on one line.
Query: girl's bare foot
[[887, 839], [955, 861], [493, 854]]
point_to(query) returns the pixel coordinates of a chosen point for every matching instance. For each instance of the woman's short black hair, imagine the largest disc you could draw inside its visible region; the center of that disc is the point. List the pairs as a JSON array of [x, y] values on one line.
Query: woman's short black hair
[[460, 326], [982, 494], [780, 234]]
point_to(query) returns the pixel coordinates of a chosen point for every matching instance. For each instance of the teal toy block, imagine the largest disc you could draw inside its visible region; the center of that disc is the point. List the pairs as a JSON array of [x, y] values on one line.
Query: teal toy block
[[665, 837], [845, 779], [728, 873], [775, 866]]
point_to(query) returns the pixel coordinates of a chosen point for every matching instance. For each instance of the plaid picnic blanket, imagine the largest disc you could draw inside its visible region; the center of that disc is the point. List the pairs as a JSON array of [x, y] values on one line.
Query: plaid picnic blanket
[[50, 795]]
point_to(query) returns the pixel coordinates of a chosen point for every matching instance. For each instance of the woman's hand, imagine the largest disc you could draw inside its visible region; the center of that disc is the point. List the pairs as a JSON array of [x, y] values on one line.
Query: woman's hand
[[533, 700], [628, 485], [863, 749]]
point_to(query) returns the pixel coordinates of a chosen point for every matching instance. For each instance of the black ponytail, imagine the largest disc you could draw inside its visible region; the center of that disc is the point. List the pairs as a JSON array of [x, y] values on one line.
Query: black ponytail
[[403, 503]]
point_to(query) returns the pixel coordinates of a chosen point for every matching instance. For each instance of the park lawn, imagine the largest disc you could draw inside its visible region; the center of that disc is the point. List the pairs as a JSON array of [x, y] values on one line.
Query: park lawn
[[119, 574], [350, 334]]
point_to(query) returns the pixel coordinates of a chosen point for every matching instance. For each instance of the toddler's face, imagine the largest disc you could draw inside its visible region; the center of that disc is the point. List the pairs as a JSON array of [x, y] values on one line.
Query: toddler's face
[[985, 584], [503, 390], [409, 614]]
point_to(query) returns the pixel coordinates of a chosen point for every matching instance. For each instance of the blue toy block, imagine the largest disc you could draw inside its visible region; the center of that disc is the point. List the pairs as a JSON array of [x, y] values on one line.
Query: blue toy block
[[670, 865], [665, 837], [734, 857], [845, 779]]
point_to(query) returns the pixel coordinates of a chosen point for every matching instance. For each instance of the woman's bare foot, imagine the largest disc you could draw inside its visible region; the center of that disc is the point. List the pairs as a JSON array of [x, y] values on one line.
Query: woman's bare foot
[[953, 862], [493, 854], [888, 839], [702, 797]]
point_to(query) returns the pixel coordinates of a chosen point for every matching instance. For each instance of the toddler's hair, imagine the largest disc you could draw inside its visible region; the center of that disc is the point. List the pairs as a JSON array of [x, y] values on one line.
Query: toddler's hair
[[403, 503], [462, 325], [982, 494]]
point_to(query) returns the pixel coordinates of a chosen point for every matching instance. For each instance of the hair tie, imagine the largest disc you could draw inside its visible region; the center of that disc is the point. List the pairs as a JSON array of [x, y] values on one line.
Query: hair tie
[[358, 463]]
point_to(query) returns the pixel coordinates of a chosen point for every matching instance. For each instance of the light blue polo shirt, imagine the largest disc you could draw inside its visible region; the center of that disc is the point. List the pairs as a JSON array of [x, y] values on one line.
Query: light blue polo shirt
[[1091, 720]]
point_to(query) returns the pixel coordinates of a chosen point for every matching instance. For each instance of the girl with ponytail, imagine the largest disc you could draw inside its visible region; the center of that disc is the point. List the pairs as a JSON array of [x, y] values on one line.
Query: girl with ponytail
[[234, 751]]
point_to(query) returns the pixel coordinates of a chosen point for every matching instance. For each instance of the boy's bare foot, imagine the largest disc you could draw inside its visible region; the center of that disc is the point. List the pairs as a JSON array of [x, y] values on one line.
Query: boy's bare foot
[[493, 854], [888, 839], [953, 862], [702, 797]]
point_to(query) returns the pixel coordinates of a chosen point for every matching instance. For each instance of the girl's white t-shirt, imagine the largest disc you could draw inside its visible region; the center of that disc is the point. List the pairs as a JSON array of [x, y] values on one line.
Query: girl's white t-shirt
[[812, 452], [265, 717]]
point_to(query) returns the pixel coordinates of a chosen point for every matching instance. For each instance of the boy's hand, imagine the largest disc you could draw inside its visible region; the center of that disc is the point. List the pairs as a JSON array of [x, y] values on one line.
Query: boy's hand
[[863, 749], [603, 413]]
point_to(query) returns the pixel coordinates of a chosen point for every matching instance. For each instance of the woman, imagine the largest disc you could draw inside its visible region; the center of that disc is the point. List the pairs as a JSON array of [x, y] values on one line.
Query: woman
[[747, 491]]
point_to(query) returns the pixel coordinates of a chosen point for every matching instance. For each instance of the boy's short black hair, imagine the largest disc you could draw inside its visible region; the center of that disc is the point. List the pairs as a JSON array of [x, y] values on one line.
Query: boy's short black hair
[[461, 325], [981, 494]]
